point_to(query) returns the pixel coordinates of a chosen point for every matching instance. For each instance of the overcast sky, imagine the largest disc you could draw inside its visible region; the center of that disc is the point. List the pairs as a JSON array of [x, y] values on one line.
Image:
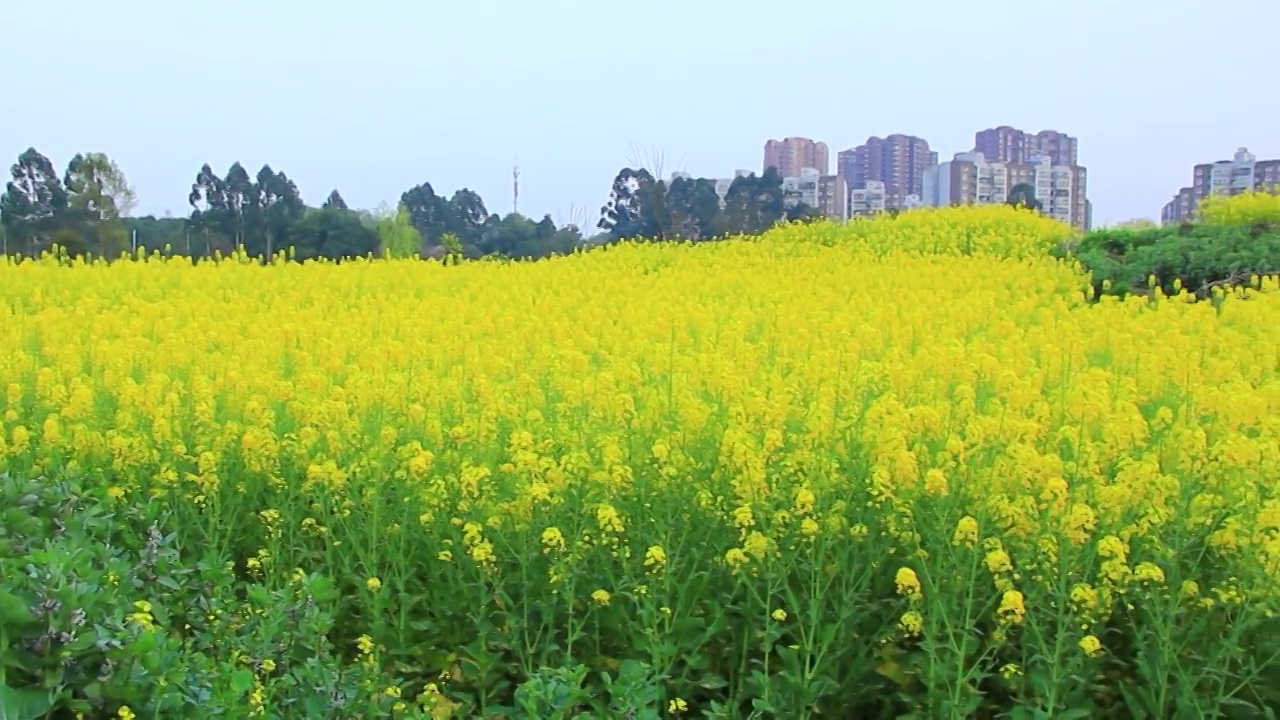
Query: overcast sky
[[375, 96]]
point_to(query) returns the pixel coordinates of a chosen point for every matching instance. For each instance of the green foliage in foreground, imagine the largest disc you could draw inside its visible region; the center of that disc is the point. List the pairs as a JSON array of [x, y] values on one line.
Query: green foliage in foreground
[[75, 638], [107, 610]]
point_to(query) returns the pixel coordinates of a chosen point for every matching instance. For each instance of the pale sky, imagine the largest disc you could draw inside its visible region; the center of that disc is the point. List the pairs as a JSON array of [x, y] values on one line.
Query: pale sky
[[373, 97]]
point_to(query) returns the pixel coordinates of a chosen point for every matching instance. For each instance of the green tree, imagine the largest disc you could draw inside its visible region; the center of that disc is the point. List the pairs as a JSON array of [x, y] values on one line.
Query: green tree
[[804, 214], [565, 241], [684, 217], [1024, 195], [465, 217], [33, 204], [398, 236], [519, 237], [703, 208], [633, 206], [210, 211], [240, 213], [274, 205], [100, 179], [69, 241], [513, 236], [431, 214], [99, 196], [335, 201], [331, 232], [753, 204], [158, 233], [453, 247]]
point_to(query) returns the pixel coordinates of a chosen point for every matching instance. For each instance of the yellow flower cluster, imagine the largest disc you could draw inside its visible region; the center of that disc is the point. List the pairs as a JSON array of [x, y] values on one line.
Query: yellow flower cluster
[[1247, 208], [934, 384]]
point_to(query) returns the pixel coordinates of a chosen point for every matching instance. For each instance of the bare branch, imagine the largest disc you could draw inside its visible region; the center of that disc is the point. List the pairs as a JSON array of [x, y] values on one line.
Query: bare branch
[[1239, 278], [653, 160], [579, 216]]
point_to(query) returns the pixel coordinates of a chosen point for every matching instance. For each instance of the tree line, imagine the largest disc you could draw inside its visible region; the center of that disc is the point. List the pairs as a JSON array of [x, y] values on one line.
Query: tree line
[[686, 208], [87, 210]]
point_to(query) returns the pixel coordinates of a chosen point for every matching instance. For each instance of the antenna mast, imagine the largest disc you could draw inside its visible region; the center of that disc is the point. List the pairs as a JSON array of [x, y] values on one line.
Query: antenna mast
[[515, 185]]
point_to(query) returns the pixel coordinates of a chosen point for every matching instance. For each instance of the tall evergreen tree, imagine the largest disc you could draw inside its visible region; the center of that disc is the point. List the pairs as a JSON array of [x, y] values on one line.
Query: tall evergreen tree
[[335, 201], [33, 204]]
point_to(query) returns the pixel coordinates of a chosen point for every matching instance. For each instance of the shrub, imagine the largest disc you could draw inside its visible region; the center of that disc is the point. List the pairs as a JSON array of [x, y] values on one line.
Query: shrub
[[1190, 257], [1236, 245]]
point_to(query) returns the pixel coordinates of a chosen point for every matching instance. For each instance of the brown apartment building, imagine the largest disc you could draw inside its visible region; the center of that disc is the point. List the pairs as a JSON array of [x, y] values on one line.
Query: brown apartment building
[[898, 161], [793, 154], [1010, 145]]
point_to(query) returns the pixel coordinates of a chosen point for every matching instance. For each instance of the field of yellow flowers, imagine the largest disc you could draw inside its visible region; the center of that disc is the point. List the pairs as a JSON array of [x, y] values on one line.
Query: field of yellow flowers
[[898, 468]]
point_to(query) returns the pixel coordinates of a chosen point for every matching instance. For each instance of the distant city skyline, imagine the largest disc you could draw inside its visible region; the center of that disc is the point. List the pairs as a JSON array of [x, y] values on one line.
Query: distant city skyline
[[901, 171], [882, 174]]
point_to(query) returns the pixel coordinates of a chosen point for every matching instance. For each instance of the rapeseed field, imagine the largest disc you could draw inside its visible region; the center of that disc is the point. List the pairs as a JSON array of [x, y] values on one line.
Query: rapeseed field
[[904, 467]]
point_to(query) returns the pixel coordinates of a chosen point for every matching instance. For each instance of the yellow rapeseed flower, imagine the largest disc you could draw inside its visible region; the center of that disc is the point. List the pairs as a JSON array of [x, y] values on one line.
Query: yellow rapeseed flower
[[858, 382], [1090, 645], [552, 540], [655, 558], [1012, 610], [966, 531], [736, 558], [911, 622], [935, 482], [1148, 572], [998, 561], [908, 583]]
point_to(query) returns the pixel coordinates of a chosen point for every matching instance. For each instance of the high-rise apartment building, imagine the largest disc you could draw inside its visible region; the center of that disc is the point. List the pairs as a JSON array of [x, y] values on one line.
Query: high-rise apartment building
[[898, 161], [793, 154], [1059, 147], [969, 179], [867, 201], [833, 193], [1182, 207], [1010, 145], [1224, 177], [1002, 144], [801, 188], [824, 193]]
